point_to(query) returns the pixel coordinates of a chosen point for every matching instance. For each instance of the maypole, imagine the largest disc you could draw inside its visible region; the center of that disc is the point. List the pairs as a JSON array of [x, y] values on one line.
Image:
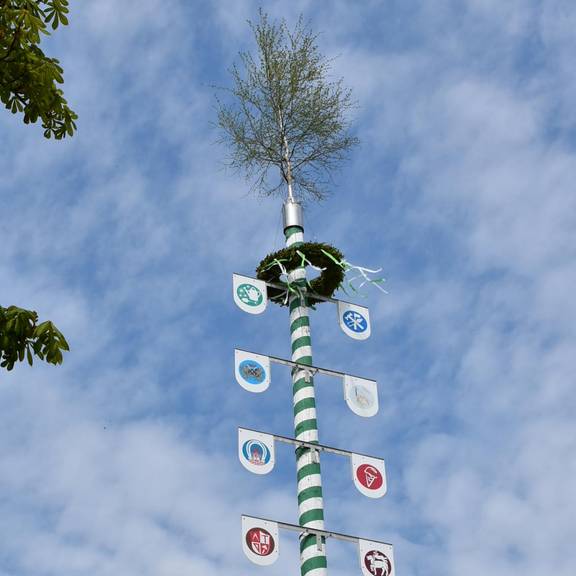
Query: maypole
[[289, 117], [310, 501]]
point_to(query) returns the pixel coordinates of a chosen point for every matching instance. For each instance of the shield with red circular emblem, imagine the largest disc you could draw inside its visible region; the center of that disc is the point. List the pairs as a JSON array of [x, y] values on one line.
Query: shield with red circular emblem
[[376, 558], [260, 540], [369, 475]]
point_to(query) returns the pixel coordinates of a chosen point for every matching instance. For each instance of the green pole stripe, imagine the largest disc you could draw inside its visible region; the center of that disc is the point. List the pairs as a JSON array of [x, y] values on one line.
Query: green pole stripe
[[302, 341], [295, 303], [313, 564], [299, 384], [299, 323], [309, 540], [307, 493], [305, 360], [300, 451], [307, 425], [308, 470], [291, 230], [311, 515], [304, 404]]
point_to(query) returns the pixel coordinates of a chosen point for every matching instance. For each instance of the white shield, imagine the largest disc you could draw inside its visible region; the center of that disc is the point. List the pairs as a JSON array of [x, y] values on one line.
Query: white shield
[[361, 395], [354, 320], [256, 451], [369, 475], [260, 540], [250, 294], [252, 371], [376, 558]]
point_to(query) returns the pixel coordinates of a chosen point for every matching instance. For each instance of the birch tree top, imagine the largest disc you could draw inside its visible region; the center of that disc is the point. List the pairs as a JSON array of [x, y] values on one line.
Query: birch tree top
[[284, 121]]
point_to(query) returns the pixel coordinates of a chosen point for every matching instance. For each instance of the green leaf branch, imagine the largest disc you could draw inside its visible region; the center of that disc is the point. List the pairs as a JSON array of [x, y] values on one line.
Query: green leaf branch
[[21, 337], [29, 80]]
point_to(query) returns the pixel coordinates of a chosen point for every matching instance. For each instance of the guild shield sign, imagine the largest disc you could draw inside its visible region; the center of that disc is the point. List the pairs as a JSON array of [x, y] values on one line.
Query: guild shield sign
[[250, 294], [376, 558], [260, 540], [361, 395], [369, 475], [256, 451], [354, 320], [252, 371]]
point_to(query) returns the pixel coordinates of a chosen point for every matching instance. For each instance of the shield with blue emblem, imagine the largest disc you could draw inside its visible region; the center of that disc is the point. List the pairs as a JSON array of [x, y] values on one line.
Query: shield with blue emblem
[[354, 320], [252, 371], [256, 451]]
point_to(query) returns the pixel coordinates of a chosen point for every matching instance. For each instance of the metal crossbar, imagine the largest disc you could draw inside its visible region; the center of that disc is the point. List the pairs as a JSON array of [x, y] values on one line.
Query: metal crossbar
[[314, 531], [308, 293], [311, 369], [310, 445]]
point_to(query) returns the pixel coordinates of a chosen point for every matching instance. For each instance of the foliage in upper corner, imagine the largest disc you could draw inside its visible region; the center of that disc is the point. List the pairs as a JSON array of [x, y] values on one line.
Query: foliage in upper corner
[[285, 114], [22, 337], [28, 78]]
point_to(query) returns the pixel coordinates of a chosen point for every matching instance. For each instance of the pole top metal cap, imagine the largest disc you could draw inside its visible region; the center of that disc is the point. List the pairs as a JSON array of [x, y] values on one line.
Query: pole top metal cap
[[293, 214]]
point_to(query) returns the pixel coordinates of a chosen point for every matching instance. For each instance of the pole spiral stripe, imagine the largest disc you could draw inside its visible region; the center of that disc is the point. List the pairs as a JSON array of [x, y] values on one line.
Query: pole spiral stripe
[[310, 501]]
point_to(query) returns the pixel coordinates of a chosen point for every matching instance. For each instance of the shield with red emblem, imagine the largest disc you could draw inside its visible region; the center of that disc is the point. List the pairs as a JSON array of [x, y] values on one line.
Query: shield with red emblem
[[369, 475], [260, 540], [376, 558]]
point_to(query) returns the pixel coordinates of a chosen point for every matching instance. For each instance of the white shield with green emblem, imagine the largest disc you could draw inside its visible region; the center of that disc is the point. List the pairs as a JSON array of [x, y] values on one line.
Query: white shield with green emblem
[[250, 294]]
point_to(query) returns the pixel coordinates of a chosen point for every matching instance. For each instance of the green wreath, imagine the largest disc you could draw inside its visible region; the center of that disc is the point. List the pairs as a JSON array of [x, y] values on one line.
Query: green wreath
[[318, 255]]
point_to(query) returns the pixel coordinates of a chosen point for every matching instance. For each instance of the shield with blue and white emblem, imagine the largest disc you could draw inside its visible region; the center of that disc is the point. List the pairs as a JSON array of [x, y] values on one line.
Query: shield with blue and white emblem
[[256, 451], [252, 371], [354, 320]]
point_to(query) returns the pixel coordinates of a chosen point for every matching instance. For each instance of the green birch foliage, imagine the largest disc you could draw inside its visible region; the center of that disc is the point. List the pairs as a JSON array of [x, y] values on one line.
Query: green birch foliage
[[284, 115], [29, 79], [21, 337]]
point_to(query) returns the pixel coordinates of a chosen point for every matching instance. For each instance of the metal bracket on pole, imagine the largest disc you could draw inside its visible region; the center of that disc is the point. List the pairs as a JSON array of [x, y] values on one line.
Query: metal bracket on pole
[[311, 294], [315, 455], [309, 373]]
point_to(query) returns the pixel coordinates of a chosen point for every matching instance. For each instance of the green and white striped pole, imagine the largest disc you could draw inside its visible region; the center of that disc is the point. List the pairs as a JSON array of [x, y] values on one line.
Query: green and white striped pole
[[310, 502]]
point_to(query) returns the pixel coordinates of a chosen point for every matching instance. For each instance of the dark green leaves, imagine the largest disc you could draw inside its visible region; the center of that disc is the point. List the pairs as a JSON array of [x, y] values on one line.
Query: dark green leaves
[[22, 337], [56, 13], [28, 78]]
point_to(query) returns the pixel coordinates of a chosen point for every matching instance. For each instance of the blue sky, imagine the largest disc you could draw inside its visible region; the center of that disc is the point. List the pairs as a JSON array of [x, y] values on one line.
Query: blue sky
[[123, 460]]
